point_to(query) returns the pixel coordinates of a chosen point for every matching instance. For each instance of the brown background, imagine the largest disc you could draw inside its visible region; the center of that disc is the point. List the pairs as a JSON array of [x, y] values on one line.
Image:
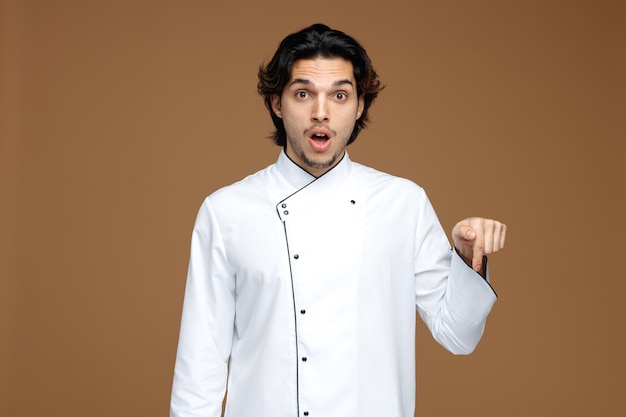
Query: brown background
[[118, 117]]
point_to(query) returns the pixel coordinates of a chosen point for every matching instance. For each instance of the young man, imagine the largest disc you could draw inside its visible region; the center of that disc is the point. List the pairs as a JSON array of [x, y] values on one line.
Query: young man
[[304, 278]]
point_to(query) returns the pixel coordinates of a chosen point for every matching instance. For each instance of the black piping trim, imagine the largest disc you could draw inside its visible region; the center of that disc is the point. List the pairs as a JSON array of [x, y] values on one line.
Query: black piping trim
[[295, 321]]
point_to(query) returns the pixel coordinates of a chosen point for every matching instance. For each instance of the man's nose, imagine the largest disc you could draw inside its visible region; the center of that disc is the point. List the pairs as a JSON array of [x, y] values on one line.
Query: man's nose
[[320, 110]]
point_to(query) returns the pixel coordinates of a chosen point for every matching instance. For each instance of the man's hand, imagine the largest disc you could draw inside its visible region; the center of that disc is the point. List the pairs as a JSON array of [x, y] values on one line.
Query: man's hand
[[475, 237]]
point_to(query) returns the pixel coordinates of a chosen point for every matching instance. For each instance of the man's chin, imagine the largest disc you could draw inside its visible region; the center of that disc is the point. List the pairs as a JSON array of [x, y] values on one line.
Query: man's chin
[[320, 164]]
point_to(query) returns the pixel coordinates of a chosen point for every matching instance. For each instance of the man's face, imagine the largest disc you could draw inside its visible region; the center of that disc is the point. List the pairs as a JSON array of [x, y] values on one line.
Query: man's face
[[319, 107]]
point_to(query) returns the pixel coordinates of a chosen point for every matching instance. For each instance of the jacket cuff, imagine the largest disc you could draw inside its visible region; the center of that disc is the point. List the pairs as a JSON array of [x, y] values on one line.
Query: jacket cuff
[[470, 295]]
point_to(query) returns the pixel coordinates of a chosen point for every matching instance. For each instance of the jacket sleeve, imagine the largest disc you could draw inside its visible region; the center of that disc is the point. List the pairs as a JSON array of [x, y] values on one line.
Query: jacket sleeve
[[451, 298], [207, 324]]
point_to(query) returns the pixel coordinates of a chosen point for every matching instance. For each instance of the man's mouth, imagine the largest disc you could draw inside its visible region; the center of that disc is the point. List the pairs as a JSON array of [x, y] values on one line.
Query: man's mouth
[[319, 139], [319, 133]]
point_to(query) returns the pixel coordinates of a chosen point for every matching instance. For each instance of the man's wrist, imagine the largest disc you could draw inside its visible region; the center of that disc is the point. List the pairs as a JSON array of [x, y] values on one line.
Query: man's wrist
[[468, 262], [466, 258]]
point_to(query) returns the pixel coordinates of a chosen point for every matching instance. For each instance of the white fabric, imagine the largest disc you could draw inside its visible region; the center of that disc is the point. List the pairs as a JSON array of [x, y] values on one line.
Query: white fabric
[[309, 286]]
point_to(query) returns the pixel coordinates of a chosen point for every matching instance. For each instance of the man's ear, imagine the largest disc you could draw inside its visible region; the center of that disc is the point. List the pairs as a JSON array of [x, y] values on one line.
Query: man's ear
[[276, 105], [359, 110]]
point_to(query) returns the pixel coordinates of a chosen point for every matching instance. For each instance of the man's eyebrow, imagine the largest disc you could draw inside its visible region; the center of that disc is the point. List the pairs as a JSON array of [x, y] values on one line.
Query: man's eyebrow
[[342, 82], [300, 81], [304, 81]]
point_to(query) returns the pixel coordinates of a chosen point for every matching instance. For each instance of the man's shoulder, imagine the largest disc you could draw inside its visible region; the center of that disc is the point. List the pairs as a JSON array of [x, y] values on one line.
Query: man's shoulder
[[255, 184], [380, 180]]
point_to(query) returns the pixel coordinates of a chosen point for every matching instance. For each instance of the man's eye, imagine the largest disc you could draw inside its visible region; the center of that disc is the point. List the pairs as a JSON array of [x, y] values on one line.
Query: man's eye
[[342, 96], [302, 94]]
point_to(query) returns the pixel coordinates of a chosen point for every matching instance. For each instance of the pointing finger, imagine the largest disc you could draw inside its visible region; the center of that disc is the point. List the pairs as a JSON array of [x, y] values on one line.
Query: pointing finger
[[479, 246]]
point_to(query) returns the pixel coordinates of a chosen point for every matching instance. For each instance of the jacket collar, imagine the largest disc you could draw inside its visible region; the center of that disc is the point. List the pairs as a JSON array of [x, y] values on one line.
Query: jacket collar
[[308, 189], [300, 178]]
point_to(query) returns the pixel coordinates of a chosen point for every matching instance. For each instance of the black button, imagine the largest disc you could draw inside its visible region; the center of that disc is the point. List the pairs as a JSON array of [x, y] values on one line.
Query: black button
[[306, 413], [302, 311], [283, 205], [304, 359], [352, 202], [286, 212], [296, 256]]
